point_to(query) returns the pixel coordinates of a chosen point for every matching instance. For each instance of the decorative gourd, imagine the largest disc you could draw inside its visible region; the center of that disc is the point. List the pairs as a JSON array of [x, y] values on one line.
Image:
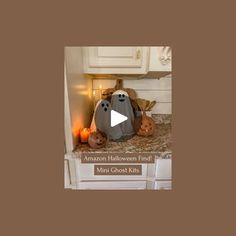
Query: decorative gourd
[[97, 139], [147, 126]]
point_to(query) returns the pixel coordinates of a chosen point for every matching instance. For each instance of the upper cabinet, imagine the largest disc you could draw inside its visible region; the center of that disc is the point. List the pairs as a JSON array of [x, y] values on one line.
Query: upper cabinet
[[160, 59], [126, 60], [115, 60]]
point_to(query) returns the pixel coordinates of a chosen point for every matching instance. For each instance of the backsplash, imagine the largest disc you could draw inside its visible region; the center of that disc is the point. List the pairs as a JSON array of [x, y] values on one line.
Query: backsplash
[[150, 89]]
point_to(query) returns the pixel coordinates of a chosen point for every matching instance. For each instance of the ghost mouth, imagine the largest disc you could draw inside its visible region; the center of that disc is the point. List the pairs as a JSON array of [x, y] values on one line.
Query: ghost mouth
[[105, 109], [99, 144], [121, 100]]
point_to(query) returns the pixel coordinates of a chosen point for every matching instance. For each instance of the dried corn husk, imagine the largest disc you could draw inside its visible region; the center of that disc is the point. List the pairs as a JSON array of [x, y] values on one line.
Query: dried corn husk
[[145, 105], [151, 105]]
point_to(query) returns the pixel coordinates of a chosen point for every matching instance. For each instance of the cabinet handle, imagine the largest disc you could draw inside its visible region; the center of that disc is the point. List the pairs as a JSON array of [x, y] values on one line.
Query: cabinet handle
[[138, 54], [165, 57]]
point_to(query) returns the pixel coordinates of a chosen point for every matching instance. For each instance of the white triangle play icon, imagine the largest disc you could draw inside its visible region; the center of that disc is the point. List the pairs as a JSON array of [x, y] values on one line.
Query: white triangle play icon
[[117, 118]]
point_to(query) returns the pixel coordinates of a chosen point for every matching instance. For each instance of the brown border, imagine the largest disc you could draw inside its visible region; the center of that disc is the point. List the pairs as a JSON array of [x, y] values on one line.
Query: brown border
[[33, 200]]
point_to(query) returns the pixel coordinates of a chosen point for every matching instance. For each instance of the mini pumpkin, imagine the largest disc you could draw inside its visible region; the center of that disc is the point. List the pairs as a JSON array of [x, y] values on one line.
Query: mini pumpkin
[[97, 139], [147, 126]]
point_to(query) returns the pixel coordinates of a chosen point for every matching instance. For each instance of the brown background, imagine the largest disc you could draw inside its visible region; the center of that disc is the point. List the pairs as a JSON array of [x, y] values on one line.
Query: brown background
[[33, 35]]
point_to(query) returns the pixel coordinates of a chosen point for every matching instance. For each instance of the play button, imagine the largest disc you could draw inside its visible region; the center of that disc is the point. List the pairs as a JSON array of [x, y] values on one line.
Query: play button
[[117, 118]]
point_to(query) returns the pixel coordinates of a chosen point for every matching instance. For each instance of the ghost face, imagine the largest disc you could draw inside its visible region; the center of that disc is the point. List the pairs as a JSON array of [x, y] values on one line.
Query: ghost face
[[102, 119], [102, 116], [121, 97], [120, 102], [105, 105]]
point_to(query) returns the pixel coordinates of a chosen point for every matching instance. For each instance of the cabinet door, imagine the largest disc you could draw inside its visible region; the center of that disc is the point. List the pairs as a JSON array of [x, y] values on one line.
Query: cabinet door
[[160, 59], [163, 185], [163, 169], [120, 60], [112, 185]]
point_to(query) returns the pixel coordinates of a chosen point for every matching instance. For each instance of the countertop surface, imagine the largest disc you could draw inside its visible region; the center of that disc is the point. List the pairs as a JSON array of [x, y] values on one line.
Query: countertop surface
[[160, 142]]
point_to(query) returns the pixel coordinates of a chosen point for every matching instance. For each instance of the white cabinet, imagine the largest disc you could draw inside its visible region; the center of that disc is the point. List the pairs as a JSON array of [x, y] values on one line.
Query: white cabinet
[[81, 176], [66, 174], [160, 59], [127, 60], [85, 172], [86, 179], [163, 185], [163, 169], [159, 175], [112, 185], [115, 60]]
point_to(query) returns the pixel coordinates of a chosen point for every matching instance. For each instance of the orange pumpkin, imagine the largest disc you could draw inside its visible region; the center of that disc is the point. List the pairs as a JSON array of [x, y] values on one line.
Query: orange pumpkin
[[97, 139], [147, 126]]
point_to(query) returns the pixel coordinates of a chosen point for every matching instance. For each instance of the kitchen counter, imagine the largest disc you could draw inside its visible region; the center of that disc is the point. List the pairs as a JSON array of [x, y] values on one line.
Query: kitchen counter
[[160, 142]]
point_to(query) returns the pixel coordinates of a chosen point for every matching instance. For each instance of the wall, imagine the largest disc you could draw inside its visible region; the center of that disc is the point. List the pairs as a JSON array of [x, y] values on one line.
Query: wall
[[150, 89], [79, 96]]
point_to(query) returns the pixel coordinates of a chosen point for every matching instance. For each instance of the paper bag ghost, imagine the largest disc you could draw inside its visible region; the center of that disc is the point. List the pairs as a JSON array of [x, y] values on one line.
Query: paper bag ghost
[[120, 102], [147, 126], [102, 118]]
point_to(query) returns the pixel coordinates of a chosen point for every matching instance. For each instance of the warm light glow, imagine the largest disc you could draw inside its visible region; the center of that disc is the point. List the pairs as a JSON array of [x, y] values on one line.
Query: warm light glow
[[84, 134], [94, 93], [80, 86], [77, 124], [85, 92], [75, 132], [100, 86]]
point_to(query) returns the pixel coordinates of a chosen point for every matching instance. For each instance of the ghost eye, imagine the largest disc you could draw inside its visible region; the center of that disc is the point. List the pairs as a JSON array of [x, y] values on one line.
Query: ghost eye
[[123, 95], [102, 105], [119, 95], [107, 105]]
